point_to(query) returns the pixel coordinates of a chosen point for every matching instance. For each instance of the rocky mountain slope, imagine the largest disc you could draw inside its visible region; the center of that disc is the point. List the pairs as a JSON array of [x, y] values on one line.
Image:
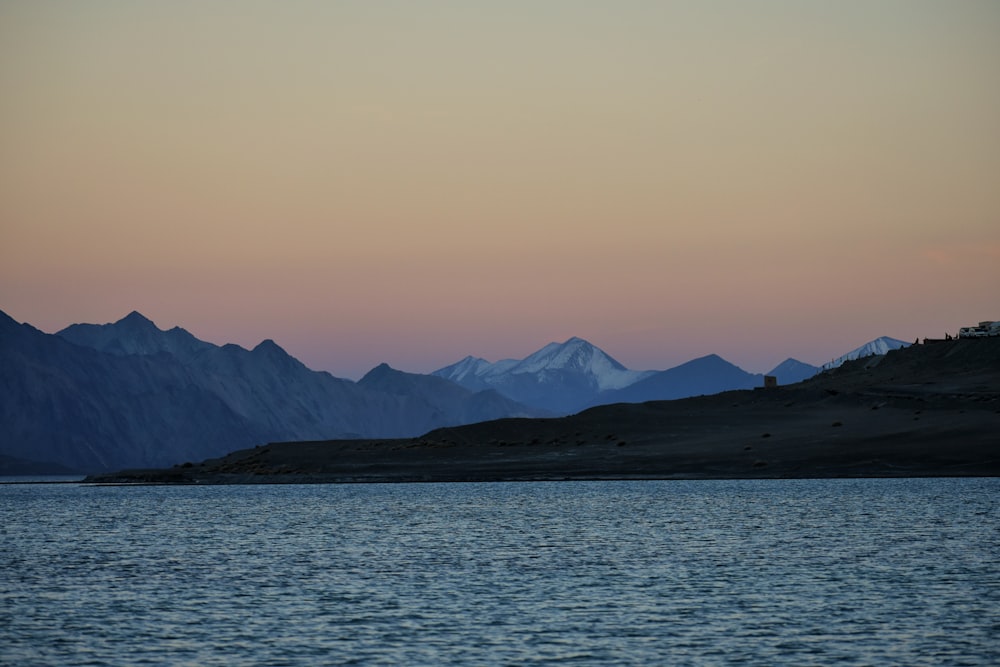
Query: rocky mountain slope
[[103, 397]]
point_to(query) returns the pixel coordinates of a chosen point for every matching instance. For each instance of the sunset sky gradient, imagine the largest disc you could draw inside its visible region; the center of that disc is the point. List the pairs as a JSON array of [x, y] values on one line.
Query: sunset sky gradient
[[411, 182]]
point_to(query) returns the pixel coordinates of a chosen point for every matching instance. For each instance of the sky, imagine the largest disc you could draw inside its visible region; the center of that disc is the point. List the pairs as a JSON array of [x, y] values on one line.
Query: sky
[[411, 182]]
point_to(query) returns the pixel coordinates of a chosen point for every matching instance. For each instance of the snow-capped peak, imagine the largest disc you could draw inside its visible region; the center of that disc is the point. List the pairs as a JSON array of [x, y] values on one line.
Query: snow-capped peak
[[879, 346], [580, 356], [574, 355], [464, 370]]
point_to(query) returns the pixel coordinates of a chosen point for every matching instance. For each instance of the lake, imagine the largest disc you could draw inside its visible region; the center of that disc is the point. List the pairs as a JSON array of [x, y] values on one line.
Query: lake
[[803, 572]]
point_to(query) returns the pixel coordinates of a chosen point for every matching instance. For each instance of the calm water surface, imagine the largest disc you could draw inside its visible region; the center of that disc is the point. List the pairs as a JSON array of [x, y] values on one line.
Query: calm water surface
[[710, 572]]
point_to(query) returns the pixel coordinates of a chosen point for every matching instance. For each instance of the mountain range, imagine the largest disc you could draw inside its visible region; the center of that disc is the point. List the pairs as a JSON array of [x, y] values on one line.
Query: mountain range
[[568, 377], [128, 394], [925, 411]]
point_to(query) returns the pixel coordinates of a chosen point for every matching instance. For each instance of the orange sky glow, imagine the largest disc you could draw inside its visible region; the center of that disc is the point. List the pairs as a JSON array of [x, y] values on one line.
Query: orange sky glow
[[411, 182]]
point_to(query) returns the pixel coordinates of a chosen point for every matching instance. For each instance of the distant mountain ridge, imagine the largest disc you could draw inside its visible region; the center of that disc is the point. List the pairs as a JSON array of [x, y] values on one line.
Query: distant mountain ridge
[[791, 371], [100, 397], [573, 375], [560, 377], [128, 394], [134, 334], [710, 374]]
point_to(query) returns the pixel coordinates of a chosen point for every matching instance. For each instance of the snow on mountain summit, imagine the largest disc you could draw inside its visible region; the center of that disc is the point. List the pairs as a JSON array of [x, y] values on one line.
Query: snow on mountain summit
[[575, 353], [576, 356], [879, 346], [581, 356], [465, 370]]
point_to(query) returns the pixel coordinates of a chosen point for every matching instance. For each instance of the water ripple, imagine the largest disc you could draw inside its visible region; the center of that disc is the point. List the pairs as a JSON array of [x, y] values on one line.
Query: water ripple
[[801, 572]]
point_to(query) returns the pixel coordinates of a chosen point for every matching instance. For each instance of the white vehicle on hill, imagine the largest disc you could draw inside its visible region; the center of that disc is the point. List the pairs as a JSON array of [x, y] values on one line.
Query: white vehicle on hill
[[984, 330]]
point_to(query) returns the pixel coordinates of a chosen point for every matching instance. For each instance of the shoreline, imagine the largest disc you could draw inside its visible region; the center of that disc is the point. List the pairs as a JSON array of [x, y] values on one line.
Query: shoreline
[[757, 442], [238, 480]]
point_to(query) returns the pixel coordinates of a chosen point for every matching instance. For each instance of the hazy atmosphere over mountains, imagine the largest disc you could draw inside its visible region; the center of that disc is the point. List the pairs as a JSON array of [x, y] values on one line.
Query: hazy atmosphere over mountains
[[98, 397], [411, 183], [371, 182], [298, 242]]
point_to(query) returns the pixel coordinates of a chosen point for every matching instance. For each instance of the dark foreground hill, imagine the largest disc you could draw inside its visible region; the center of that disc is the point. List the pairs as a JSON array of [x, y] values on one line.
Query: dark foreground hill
[[930, 410]]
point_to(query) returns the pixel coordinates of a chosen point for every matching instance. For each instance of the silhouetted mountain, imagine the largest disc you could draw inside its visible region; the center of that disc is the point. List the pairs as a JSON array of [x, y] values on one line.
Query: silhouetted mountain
[[560, 377], [706, 375], [791, 371], [129, 394], [89, 410]]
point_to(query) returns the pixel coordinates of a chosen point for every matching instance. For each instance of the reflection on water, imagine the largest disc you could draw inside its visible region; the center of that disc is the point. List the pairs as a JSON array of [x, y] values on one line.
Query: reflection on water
[[795, 572]]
